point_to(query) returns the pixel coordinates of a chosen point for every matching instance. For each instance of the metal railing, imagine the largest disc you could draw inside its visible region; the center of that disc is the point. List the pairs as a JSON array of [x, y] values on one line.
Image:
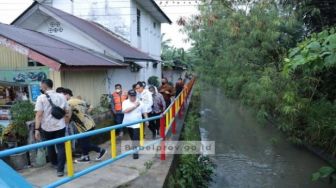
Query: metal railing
[[167, 121]]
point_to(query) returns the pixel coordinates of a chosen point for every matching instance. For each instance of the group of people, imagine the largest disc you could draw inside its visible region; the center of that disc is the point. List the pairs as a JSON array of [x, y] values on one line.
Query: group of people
[[57, 109], [153, 101], [142, 102]]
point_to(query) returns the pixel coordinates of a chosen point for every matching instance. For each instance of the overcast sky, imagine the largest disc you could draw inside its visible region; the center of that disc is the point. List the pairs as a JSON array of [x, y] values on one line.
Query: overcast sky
[[10, 9]]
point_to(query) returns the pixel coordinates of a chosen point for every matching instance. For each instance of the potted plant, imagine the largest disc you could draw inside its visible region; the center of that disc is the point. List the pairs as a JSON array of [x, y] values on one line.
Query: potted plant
[[16, 133]]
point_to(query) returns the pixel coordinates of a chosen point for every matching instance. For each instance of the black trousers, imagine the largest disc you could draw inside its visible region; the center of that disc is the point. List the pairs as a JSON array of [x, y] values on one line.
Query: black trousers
[[134, 134], [118, 119], [87, 146], [154, 125], [59, 157]]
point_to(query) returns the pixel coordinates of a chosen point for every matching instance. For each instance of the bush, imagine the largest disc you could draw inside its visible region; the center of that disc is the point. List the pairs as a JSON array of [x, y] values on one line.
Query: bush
[[154, 80], [104, 101], [98, 110], [21, 111]]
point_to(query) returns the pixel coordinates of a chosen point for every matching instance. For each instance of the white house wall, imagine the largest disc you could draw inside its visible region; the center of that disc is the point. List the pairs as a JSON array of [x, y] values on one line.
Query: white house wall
[[121, 76], [65, 5], [67, 33], [127, 78], [150, 39], [173, 75], [112, 14], [148, 70]]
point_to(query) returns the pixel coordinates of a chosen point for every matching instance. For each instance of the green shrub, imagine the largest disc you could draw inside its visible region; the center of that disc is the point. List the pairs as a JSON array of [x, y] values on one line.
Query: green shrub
[[21, 111], [104, 101], [154, 80]]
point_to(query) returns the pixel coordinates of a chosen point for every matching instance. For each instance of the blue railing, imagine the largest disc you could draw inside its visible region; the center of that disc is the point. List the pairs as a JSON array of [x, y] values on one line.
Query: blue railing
[[167, 120]]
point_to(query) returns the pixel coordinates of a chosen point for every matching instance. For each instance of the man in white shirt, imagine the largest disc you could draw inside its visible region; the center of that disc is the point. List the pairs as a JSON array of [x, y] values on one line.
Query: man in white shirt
[[133, 110], [50, 126], [144, 96]]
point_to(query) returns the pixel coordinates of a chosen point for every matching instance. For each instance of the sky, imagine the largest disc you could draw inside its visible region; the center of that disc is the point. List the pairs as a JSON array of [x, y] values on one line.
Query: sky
[[10, 9]]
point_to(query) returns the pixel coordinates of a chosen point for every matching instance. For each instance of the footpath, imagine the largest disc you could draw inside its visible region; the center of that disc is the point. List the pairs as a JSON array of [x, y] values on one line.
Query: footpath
[[147, 171]]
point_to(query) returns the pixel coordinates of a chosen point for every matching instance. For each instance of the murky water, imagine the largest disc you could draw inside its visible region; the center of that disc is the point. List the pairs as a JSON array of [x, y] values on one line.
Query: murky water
[[249, 155]]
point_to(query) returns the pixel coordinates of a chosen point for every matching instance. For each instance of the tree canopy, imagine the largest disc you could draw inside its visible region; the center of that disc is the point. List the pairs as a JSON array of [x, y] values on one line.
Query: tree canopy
[[274, 56]]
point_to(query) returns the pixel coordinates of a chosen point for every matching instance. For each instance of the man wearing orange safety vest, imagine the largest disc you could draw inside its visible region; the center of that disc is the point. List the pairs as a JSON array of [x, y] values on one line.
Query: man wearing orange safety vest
[[118, 97]]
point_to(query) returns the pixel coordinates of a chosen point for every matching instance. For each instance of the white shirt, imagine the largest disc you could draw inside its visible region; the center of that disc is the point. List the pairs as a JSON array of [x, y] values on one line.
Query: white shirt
[[147, 98], [49, 123], [134, 115]]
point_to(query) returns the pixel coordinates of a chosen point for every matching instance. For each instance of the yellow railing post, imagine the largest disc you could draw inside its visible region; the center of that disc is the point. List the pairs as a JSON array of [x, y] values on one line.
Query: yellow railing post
[[68, 154], [167, 119], [178, 103], [182, 96], [171, 114], [142, 143], [113, 144]]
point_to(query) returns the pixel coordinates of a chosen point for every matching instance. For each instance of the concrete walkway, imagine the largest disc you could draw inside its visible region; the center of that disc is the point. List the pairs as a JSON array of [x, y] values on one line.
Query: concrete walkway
[[148, 171]]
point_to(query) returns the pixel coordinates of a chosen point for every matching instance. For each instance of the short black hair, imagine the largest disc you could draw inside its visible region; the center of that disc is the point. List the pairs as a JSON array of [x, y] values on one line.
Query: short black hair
[[67, 91], [139, 84], [132, 93], [117, 85], [151, 87], [180, 78], [134, 86], [60, 90], [48, 82]]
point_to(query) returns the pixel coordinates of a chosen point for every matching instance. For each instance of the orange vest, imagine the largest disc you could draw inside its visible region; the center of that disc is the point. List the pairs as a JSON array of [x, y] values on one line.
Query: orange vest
[[118, 100]]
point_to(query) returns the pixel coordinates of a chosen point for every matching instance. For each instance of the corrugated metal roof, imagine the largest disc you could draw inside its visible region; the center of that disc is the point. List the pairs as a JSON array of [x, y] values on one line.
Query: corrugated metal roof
[[102, 36], [49, 46]]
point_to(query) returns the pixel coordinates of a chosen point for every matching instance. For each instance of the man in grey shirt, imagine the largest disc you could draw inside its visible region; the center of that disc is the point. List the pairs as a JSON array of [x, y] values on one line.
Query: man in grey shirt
[[159, 106]]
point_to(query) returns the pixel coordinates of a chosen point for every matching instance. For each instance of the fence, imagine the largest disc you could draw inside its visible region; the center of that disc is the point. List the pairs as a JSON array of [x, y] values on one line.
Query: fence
[[167, 121]]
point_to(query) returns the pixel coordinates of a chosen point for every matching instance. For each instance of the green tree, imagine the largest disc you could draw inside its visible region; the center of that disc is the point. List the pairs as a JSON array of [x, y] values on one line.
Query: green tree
[[316, 14], [243, 47]]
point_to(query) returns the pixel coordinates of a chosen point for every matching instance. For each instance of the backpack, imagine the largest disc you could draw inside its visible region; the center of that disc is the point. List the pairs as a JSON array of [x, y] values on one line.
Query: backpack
[[56, 111]]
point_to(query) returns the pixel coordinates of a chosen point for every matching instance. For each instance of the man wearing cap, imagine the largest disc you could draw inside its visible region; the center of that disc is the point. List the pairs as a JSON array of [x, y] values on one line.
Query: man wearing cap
[[133, 110]]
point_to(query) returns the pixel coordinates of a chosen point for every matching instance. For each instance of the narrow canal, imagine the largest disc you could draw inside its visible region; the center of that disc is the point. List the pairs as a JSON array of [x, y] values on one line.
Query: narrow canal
[[249, 155]]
